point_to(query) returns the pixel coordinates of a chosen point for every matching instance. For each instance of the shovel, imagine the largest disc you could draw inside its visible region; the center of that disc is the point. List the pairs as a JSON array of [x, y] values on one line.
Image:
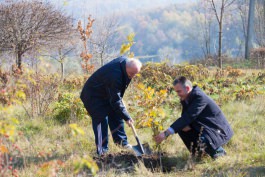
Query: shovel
[[140, 149]]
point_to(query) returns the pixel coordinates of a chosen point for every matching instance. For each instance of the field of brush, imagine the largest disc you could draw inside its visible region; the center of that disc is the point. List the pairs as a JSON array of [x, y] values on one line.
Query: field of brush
[[45, 130]]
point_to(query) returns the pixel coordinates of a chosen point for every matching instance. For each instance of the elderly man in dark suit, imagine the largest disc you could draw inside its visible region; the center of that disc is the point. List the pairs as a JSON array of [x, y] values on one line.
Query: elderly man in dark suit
[[102, 98], [201, 121]]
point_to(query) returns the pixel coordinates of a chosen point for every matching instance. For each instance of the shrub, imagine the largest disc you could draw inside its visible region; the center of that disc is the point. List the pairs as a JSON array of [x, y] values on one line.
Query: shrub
[[9, 151], [69, 107]]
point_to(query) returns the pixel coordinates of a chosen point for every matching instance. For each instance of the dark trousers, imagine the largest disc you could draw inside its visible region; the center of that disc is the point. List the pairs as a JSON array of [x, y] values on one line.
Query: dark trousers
[[116, 125], [198, 144]]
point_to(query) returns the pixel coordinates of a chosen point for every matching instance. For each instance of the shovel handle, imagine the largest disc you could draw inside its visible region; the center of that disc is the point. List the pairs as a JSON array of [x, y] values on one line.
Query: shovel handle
[[134, 131], [137, 139]]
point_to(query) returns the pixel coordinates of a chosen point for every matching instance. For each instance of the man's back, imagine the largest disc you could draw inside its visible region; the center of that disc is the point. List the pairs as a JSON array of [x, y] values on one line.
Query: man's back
[[200, 111], [103, 77], [103, 91], [202, 125]]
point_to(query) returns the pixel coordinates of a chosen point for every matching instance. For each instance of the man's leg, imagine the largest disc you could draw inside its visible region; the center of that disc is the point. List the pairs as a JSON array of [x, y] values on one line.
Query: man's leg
[[116, 125], [101, 135], [190, 139], [214, 153]]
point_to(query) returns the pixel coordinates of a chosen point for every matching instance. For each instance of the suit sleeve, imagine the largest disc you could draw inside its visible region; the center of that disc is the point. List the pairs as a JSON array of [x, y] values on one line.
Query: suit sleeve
[[115, 99], [190, 114]]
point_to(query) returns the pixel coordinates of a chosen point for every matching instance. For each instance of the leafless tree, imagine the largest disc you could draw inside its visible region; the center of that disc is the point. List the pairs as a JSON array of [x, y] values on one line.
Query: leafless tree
[[104, 41], [62, 50], [259, 26], [204, 25], [242, 6], [241, 17], [220, 7], [27, 25]]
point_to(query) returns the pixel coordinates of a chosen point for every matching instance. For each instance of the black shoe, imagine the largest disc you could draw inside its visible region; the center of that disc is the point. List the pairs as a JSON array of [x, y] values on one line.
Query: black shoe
[[219, 154]]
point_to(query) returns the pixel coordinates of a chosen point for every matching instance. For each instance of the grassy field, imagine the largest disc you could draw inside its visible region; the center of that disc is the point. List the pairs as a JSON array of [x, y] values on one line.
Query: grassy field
[[51, 148], [46, 140]]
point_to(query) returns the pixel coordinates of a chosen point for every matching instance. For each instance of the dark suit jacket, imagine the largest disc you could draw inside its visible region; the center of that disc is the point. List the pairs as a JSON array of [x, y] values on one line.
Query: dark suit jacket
[[202, 111], [103, 91]]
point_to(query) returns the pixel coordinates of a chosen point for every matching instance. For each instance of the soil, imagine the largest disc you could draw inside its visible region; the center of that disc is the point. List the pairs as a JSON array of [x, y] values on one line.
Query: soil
[[125, 161]]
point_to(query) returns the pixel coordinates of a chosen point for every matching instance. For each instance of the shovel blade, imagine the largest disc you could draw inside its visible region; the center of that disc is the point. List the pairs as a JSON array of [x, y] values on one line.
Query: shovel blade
[[138, 150], [147, 149]]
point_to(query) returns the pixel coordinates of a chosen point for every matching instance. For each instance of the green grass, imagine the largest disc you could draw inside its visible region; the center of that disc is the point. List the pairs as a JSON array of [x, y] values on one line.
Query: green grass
[[246, 150], [46, 140]]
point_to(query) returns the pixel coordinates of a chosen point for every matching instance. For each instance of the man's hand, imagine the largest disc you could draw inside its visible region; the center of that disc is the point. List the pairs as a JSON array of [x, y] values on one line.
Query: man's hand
[[129, 122], [159, 138]]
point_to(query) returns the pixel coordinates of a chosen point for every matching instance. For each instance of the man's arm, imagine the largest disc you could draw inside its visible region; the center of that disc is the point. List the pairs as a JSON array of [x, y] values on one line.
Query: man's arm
[[115, 99], [185, 120]]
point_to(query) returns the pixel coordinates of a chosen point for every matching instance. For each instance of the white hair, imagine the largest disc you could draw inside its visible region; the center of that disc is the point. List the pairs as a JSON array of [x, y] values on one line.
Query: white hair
[[133, 62]]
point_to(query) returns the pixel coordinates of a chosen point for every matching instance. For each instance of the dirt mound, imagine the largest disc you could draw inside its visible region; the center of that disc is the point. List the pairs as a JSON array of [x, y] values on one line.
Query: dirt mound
[[126, 161]]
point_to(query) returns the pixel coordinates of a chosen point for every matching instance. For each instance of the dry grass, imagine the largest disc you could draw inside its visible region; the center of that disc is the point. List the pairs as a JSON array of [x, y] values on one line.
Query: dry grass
[[45, 140]]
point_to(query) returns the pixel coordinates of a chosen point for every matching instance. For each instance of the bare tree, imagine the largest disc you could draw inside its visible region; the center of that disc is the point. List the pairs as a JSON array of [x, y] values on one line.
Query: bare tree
[[241, 18], [26, 25], [250, 29], [242, 6], [204, 20], [104, 39], [220, 7], [62, 50], [259, 26]]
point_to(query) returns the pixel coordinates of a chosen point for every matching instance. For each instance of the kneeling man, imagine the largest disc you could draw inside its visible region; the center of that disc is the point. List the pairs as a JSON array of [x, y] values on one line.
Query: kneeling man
[[201, 121]]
